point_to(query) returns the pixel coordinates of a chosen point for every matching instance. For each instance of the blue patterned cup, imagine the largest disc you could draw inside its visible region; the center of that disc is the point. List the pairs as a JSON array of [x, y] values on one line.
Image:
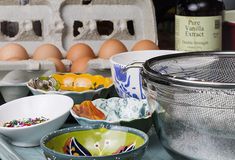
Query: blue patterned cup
[[128, 82]]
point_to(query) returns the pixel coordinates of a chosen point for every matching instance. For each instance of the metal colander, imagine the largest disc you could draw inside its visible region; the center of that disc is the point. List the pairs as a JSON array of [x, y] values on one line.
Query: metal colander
[[195, 98]]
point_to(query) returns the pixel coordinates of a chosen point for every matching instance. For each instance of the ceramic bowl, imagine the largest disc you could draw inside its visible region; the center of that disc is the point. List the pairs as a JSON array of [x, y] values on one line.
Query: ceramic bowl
[[129, 112], [11, 92], [53, 107], [77, 97], [96, 142], [129, 83]]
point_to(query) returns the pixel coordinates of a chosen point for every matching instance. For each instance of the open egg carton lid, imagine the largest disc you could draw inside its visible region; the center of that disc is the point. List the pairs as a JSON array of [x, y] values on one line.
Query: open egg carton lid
[[67, 22]]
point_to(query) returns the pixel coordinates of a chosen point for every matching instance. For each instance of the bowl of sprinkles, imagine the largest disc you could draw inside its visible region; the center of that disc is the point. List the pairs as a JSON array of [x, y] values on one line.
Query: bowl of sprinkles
[[26, 120]]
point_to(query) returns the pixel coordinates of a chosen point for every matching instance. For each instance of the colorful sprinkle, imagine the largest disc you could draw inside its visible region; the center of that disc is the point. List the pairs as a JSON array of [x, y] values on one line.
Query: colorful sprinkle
[[25, 122]]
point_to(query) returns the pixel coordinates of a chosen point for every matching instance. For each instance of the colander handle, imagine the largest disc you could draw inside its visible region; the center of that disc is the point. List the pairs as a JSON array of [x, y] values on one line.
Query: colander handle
[[133, 65]]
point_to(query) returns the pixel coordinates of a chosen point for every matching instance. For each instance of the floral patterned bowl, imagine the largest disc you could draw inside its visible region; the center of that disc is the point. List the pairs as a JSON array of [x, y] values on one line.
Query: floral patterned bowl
[[128, 83], [129, 112], [97, 142]]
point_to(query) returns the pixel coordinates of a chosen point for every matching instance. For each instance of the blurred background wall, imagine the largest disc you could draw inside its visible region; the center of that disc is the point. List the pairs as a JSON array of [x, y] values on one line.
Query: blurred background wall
[[229, 4]]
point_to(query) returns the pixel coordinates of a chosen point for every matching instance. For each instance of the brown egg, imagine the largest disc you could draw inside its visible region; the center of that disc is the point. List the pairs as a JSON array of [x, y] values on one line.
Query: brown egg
[[80, 65], [13, 51], [145, 45], [47, 51], [58, 64], [14, 59], [111, 47], [78, 51]]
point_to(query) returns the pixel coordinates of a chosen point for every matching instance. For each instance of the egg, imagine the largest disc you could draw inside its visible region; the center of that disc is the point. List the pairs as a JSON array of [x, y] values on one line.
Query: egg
[[145, 45], [47, 51], [13, 59], [111, 47], [60, 67], [13, 51], [80, 65], [78, 51]]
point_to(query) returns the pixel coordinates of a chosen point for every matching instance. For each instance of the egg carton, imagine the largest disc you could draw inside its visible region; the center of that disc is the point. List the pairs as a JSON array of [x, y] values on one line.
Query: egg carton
[[64, 23]]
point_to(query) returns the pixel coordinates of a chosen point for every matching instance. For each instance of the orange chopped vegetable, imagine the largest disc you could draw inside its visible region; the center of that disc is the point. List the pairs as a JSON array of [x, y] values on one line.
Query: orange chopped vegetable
[[88, 110], [82, 82]]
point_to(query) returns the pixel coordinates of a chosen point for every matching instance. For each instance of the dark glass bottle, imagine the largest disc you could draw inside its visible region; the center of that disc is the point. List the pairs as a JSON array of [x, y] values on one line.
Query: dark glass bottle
[[198, 25]]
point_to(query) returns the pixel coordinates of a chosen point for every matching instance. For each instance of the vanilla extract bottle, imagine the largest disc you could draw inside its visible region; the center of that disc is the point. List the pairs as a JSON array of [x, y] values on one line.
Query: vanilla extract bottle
[[198, 25]]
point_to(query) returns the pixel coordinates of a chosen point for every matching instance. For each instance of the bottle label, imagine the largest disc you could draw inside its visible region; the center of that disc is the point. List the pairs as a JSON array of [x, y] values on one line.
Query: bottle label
[[198, 33]]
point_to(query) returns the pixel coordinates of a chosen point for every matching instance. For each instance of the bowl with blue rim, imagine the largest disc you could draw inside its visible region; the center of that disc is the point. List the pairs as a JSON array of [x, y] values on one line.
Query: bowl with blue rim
[[95, 142]]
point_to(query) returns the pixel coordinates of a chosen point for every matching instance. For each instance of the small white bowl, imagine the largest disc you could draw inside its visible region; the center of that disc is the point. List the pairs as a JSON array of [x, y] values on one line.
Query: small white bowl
[[54, 107]]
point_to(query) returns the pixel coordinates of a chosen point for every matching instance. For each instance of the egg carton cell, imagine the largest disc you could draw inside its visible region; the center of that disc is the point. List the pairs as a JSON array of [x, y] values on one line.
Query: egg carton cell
[[102, 30], [9, 29], [24, 30]]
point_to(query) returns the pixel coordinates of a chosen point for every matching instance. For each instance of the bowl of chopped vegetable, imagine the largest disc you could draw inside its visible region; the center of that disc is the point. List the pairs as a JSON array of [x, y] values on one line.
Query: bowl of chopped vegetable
[[26, 120], [129, 112], [79, 87]]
